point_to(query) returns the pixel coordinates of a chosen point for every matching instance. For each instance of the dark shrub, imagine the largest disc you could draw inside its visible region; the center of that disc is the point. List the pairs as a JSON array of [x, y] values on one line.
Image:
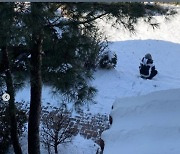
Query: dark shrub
[[108, 60], [5, 137]]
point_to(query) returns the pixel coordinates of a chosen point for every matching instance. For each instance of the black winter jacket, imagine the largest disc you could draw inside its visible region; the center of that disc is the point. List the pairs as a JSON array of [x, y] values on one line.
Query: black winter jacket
[[146, 67]]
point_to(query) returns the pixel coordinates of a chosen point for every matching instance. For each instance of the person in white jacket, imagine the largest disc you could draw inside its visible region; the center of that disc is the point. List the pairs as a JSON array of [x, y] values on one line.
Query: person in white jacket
[[147, 68]]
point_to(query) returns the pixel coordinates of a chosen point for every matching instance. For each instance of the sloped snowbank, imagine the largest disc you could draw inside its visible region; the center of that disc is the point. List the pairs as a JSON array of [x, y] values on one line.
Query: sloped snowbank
[[147, 124], [164, 45]]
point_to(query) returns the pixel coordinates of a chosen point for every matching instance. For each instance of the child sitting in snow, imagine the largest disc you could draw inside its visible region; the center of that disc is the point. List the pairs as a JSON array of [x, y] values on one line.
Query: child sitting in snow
[[146, 68]]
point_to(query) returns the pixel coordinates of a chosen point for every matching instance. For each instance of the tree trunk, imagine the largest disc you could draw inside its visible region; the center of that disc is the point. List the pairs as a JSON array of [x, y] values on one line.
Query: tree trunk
[[35, 100], [12, 108], [49, 148], [55, 149], [56, 142]]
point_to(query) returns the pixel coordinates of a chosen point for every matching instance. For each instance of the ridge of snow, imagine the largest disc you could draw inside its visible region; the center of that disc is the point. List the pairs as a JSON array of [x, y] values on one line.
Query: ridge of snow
[[147, 124]]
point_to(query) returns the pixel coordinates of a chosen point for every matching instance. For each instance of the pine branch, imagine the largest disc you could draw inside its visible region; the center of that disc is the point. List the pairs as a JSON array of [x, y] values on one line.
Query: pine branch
[[61, 24]]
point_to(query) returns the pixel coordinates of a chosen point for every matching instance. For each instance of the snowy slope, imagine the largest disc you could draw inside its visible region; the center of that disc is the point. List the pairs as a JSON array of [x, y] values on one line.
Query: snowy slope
[[146, 124], [163, 44], [124, 80]]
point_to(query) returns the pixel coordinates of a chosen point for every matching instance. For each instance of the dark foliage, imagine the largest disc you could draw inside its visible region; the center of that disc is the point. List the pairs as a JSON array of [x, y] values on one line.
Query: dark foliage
[[108, 60], [5, 137]]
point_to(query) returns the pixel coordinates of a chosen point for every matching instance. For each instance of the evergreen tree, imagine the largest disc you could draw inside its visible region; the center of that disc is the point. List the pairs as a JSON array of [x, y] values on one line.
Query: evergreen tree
[[34, 24], [6, 24]]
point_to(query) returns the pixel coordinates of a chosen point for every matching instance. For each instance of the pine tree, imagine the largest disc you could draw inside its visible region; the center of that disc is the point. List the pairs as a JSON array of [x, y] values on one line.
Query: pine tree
[[35, 25], [6, 22]]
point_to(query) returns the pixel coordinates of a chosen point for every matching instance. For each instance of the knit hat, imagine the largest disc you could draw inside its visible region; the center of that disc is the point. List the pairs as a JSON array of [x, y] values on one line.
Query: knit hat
[[148, 56]]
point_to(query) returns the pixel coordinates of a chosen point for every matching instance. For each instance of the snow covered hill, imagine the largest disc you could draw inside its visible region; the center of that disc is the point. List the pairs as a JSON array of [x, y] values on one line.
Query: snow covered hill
[[162, 43], [147, 124], [124, 80], [143, 122]]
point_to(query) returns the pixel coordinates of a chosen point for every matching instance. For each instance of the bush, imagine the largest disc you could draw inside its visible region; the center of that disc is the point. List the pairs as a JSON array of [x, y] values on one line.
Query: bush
[[108, 60], [5, 137], [56, 127], [4, 128]]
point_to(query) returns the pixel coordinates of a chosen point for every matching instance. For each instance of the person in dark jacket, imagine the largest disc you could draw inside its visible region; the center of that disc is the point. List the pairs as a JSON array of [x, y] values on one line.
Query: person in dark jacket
[[147, 69]]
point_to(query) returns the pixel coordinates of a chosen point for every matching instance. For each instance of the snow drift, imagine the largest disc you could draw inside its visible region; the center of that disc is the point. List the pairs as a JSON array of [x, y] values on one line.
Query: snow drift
[[147, 124]]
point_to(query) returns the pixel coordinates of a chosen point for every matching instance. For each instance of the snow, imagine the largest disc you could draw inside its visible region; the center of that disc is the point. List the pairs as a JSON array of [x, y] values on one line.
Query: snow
[[58, 32], [63, 68], [47, 95], [164, 46], [168, 30], [80, 146], [143, 122], [29, 56], [124, 80]]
